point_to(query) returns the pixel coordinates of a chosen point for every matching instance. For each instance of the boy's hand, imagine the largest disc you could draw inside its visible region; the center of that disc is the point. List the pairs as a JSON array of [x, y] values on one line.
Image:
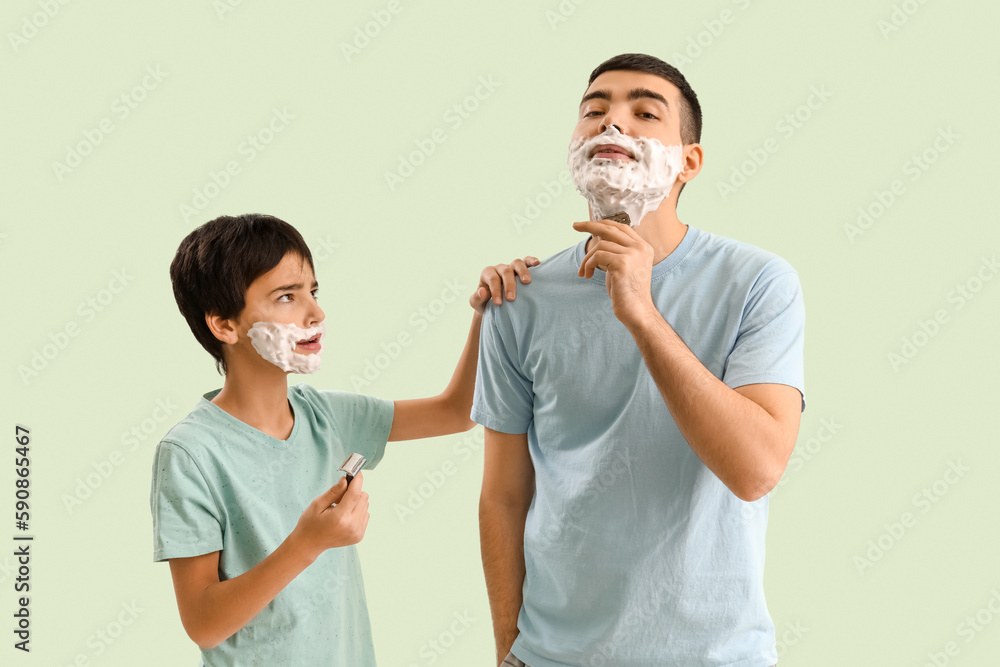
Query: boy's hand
[[499, 281], [324, 525]]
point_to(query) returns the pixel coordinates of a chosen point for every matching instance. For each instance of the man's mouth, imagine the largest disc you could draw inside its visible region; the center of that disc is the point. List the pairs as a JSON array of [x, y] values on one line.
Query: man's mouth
[[611, 152]]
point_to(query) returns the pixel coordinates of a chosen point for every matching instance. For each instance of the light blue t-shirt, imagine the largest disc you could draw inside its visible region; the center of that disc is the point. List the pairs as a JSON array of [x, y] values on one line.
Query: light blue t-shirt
[[635, 553], [220, 484]]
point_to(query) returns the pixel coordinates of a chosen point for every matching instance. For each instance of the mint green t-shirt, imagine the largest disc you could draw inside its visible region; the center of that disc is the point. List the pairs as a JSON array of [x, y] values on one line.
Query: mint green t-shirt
[[221, 485]]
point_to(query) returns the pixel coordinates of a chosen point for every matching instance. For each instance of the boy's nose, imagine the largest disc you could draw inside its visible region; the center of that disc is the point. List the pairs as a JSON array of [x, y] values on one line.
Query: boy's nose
[[316, 315]]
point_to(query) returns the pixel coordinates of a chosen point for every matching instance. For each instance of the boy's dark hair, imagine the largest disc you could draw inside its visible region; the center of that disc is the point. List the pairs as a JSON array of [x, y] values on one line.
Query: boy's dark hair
[[216, 263], [690, 113]]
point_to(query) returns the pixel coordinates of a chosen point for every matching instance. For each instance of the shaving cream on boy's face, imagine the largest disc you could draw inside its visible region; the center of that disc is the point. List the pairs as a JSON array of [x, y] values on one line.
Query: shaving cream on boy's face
[[635, 186], [275, 342]]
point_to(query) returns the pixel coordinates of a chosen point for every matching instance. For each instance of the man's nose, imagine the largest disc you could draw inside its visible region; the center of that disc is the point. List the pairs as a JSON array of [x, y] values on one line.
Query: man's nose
[[611, 120]]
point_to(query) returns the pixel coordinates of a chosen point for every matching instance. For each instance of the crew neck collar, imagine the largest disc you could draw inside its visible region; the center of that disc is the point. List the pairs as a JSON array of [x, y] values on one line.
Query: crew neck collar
[[661, 268]]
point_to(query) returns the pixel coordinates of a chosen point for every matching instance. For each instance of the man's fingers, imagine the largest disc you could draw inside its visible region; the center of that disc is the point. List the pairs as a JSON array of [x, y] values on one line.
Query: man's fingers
[[603, 229], [597, 259], [607, 250]]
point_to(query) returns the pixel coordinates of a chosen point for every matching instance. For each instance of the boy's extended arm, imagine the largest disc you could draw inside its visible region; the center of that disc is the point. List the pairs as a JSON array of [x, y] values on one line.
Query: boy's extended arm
[[212, 610], [448, 412], [508, 486]]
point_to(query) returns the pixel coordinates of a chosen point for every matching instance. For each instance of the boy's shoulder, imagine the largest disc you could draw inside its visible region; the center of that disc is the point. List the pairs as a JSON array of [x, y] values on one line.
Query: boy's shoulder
[[196, 431]]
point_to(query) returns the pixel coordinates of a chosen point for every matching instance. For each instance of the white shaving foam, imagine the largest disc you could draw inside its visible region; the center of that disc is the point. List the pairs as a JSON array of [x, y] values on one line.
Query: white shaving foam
[[275, 341], [634, 186]]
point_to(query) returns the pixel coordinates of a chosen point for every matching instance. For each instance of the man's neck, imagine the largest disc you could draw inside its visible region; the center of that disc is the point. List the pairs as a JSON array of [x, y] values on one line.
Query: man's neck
[[258, 400], [661, 229]]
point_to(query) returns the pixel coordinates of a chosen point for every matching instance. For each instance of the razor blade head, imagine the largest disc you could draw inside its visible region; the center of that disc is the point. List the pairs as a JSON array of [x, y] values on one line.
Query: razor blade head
[[620, 216], [353, 465]]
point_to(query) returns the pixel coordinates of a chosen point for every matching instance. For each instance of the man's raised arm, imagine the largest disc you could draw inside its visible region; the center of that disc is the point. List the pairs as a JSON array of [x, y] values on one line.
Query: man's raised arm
[[508, 487]]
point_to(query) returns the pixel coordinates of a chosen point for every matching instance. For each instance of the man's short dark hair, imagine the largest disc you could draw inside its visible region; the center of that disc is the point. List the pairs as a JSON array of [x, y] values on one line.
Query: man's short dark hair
[[690, 113], [216, 263]]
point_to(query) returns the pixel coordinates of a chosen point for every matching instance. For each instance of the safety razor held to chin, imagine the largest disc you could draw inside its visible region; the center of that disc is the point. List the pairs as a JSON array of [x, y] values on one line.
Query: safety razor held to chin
[[620, 216], [353, 465]]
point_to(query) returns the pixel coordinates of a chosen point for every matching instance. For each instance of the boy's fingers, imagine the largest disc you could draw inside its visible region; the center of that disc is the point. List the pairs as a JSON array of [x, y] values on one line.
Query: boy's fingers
[[491, 280], [508, 277], [520, 267], [332, 495], [353, 493]]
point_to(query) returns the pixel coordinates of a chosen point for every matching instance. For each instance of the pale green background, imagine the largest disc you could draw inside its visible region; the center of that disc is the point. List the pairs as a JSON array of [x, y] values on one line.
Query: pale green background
[[60, 243]]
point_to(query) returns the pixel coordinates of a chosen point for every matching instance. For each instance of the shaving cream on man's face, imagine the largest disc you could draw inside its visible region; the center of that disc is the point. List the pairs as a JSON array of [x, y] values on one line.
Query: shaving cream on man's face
[[635, 186], [275, 342]]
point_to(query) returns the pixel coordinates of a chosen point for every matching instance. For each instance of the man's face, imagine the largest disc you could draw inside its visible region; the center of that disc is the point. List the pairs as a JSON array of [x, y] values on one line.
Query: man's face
[[286, 294], [638, 103]]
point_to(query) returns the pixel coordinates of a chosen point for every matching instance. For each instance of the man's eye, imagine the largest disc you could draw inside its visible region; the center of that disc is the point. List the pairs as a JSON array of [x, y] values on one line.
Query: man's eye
[[285, 297], [595, 112], [647, 115], [315, 294]]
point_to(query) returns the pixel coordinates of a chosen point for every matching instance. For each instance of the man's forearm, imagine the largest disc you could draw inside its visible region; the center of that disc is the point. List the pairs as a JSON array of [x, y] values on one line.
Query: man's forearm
[[501, 531], [734, 436]]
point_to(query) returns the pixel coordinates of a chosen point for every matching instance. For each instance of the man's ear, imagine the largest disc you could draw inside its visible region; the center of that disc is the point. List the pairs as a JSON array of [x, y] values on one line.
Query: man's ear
[[693, 159], [223, 328]]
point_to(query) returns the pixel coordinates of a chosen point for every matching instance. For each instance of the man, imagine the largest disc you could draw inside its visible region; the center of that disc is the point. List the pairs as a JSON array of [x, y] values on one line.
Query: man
[[640, 400]]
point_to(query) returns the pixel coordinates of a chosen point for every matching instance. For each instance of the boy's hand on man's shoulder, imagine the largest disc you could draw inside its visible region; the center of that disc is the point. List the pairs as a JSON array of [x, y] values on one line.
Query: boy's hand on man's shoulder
[[337, 517], [500, 281]]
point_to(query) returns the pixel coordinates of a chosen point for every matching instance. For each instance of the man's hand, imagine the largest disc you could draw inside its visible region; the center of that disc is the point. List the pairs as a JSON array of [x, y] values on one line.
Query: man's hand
[[628, 260], [325, 525], [500, 281]]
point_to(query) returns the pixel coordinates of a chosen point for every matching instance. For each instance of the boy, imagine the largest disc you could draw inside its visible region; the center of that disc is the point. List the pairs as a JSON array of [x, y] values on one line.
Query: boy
[[231, 480]]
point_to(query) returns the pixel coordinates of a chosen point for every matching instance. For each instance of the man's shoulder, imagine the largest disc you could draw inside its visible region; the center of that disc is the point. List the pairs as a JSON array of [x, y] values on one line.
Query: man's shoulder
[[739, 257], [557, 266], [553, 276]]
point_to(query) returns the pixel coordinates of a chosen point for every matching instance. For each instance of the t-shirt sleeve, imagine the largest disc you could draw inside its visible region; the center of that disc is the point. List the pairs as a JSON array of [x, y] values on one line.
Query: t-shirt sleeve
[[769, 344], [363, 422], [186, 518], [504, 395]]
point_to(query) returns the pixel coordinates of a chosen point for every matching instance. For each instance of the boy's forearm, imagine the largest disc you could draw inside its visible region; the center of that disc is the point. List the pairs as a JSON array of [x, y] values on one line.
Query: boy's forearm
[[448, 412], [224, 607], [460, 389]]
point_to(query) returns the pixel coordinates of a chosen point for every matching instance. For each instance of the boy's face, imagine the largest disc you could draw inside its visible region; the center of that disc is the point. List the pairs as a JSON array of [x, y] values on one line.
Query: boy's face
[[640, 104], [287, 295]]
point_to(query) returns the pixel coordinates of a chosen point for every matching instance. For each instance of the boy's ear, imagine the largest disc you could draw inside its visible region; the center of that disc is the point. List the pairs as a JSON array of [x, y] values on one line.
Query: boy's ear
[[223, 328]]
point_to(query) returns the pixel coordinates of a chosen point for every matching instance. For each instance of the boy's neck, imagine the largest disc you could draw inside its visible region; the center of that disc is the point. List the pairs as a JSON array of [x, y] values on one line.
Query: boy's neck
[[258, 401]]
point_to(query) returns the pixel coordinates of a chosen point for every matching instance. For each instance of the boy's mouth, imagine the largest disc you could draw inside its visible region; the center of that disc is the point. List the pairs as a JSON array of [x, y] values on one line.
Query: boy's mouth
[[310, 344]]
